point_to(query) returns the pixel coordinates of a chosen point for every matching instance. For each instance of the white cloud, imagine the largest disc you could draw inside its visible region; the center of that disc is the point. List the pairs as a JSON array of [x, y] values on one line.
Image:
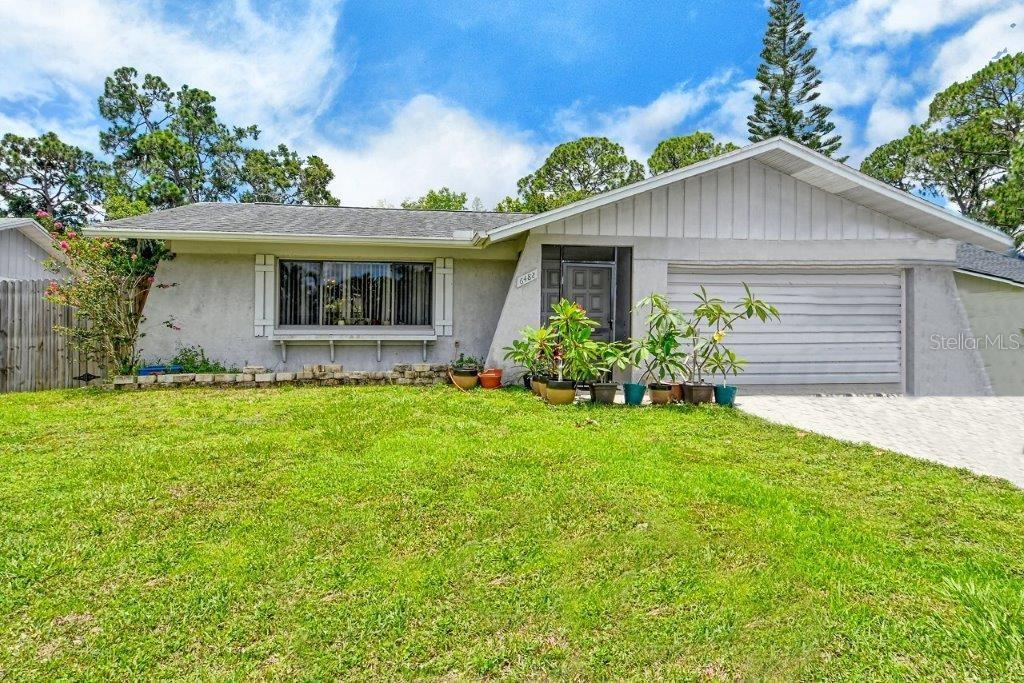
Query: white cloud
[[639, 127], [970, 50], [429, 143], [273, 70], [874, 22]]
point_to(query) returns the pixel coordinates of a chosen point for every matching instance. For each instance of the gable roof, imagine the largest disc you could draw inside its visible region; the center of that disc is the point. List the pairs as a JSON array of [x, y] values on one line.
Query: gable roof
[[224, 221], [1005, 266], [806, 165], [33, 231]]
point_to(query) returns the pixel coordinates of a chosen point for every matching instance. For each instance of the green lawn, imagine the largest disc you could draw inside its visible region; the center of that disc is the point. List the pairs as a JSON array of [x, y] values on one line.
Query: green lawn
[[386, 532]]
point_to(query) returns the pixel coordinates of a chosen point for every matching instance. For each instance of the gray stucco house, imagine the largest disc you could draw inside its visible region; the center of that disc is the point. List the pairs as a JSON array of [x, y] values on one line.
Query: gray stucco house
[[879, 290]]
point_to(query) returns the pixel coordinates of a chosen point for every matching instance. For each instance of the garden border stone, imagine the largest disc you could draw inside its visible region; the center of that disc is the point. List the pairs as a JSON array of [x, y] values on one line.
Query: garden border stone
[[418, 374]]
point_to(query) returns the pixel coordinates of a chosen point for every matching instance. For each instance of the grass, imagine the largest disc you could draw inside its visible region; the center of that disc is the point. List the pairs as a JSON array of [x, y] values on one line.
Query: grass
[[384, 532]]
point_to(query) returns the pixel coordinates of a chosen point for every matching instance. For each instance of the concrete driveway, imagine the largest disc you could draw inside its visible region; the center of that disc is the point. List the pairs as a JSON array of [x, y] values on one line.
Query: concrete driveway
[[985, 435]]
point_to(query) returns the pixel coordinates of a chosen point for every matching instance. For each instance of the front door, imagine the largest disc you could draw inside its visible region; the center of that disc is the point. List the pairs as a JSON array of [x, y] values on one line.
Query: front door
[[591, 285]]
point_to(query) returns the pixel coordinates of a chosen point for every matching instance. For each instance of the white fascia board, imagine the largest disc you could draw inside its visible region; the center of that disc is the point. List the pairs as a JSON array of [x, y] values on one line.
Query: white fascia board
[[209, 236], [991, 237]]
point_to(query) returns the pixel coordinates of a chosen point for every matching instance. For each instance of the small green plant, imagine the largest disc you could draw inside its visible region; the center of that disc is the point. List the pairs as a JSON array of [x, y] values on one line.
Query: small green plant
[[614, 356], [658, 353], [464, 362], [711, 322], [724, 361], [193, 359], [577, 355], [532, 351]]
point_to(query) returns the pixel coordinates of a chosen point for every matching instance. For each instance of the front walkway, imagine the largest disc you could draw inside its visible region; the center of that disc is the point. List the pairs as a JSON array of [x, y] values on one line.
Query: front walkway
[[985, 435]]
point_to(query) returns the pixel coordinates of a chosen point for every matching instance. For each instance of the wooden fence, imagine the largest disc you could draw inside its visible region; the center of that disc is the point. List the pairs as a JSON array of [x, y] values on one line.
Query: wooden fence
[[32, 355]]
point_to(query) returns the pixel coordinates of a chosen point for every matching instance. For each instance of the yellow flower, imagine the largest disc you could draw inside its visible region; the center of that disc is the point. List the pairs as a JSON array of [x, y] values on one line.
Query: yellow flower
[[718, 336]]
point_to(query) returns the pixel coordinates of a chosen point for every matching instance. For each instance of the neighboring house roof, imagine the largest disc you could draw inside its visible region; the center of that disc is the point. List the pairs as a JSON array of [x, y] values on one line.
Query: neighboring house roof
[[1005, 266], [307, 223], [32, 230], [806, 165]]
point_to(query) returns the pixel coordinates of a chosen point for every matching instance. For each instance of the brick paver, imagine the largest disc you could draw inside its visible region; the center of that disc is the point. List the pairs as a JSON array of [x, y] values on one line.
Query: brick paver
[[985, 435]]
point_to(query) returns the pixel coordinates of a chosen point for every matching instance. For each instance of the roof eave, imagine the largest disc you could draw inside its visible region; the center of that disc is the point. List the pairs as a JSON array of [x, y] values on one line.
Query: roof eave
[[990, 236], [293, 238]]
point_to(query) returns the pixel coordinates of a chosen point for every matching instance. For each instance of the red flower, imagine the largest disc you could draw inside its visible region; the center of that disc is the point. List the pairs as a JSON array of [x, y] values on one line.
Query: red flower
[[72, 234], [59, 225], [150, 280], [64, 246], [42, 214]]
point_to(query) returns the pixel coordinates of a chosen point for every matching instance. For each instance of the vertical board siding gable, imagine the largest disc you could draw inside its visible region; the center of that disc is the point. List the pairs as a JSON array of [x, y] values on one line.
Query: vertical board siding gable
[[746, 201]]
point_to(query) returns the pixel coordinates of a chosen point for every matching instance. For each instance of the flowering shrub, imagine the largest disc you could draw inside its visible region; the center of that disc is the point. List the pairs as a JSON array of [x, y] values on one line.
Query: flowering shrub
[[106, 283]]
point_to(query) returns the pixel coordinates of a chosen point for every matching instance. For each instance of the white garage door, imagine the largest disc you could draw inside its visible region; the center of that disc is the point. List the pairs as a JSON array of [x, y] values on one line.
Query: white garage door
[[836, 327]]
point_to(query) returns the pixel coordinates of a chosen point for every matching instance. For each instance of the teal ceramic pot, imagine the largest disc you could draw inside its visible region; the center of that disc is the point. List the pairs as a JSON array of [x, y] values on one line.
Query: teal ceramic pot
[[725, 395], [634, 393]]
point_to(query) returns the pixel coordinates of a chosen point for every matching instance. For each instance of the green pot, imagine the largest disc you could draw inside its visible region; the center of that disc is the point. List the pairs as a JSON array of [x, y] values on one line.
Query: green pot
[[725, 395], [634, 393]]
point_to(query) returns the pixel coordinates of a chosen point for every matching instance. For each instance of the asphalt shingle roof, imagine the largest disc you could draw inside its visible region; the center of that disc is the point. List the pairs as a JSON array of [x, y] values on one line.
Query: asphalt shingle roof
[[1008, 266], [339, 221]]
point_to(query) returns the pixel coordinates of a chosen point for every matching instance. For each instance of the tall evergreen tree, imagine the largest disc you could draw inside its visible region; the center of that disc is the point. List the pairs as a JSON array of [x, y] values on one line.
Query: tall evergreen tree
[[789, 85]]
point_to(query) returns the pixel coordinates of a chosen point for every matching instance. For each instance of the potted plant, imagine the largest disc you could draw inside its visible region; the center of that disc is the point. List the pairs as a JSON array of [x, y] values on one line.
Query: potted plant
[[711, 321], [522, 353], [577, 356], [613, 355], [465, 371], [658, 352], [491, 378], [722, 362]]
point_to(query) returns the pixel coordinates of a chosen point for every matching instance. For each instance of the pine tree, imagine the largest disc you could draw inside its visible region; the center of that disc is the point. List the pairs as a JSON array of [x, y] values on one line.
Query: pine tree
[[789, 85]]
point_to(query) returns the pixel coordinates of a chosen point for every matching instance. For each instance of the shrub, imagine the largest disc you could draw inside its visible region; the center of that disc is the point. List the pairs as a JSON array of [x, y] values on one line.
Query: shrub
[[193, 359]]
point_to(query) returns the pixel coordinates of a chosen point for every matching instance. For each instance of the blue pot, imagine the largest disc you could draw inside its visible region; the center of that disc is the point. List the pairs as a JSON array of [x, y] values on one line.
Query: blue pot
[[634, 393], [725, 395], [159, 370]]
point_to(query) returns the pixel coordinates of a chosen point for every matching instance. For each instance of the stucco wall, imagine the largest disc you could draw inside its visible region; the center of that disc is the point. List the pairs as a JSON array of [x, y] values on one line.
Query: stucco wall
[[932, 301], [213, 301], [995, 311], [935, 313]]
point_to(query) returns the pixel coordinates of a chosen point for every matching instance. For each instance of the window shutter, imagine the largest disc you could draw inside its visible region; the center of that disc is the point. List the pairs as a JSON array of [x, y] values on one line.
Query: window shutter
[[444, 295], [264, 313]]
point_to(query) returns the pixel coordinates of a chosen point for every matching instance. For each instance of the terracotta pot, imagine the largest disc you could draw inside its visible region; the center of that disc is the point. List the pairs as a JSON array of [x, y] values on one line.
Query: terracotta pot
[[677, 391], [603, 392], [491, 379], [560, 392], [540, 386], [465, 379], [698, 393], [661, 394]]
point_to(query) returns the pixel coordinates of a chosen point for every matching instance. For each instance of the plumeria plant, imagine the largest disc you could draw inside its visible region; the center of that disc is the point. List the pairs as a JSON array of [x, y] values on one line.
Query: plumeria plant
[[658, 353], [106, 284], [713, 319], [577, 355]]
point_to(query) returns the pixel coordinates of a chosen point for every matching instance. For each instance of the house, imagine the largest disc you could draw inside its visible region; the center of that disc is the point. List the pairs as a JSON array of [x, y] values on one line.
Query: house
[[867, 278], [24, 247]]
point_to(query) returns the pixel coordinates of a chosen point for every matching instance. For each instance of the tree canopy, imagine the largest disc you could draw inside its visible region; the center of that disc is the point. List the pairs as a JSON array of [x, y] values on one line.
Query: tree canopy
[[47, 174], [444, 199], [785, 104], [169, 148], [574, 170], [685, 150], [969, 149]]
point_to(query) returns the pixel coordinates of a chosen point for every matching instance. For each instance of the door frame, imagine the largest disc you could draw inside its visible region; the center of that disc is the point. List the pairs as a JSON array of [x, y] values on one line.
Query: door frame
[[613, 293]]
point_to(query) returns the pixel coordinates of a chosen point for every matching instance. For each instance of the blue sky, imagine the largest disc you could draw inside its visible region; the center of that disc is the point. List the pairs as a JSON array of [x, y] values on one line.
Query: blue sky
[[402, 96]]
